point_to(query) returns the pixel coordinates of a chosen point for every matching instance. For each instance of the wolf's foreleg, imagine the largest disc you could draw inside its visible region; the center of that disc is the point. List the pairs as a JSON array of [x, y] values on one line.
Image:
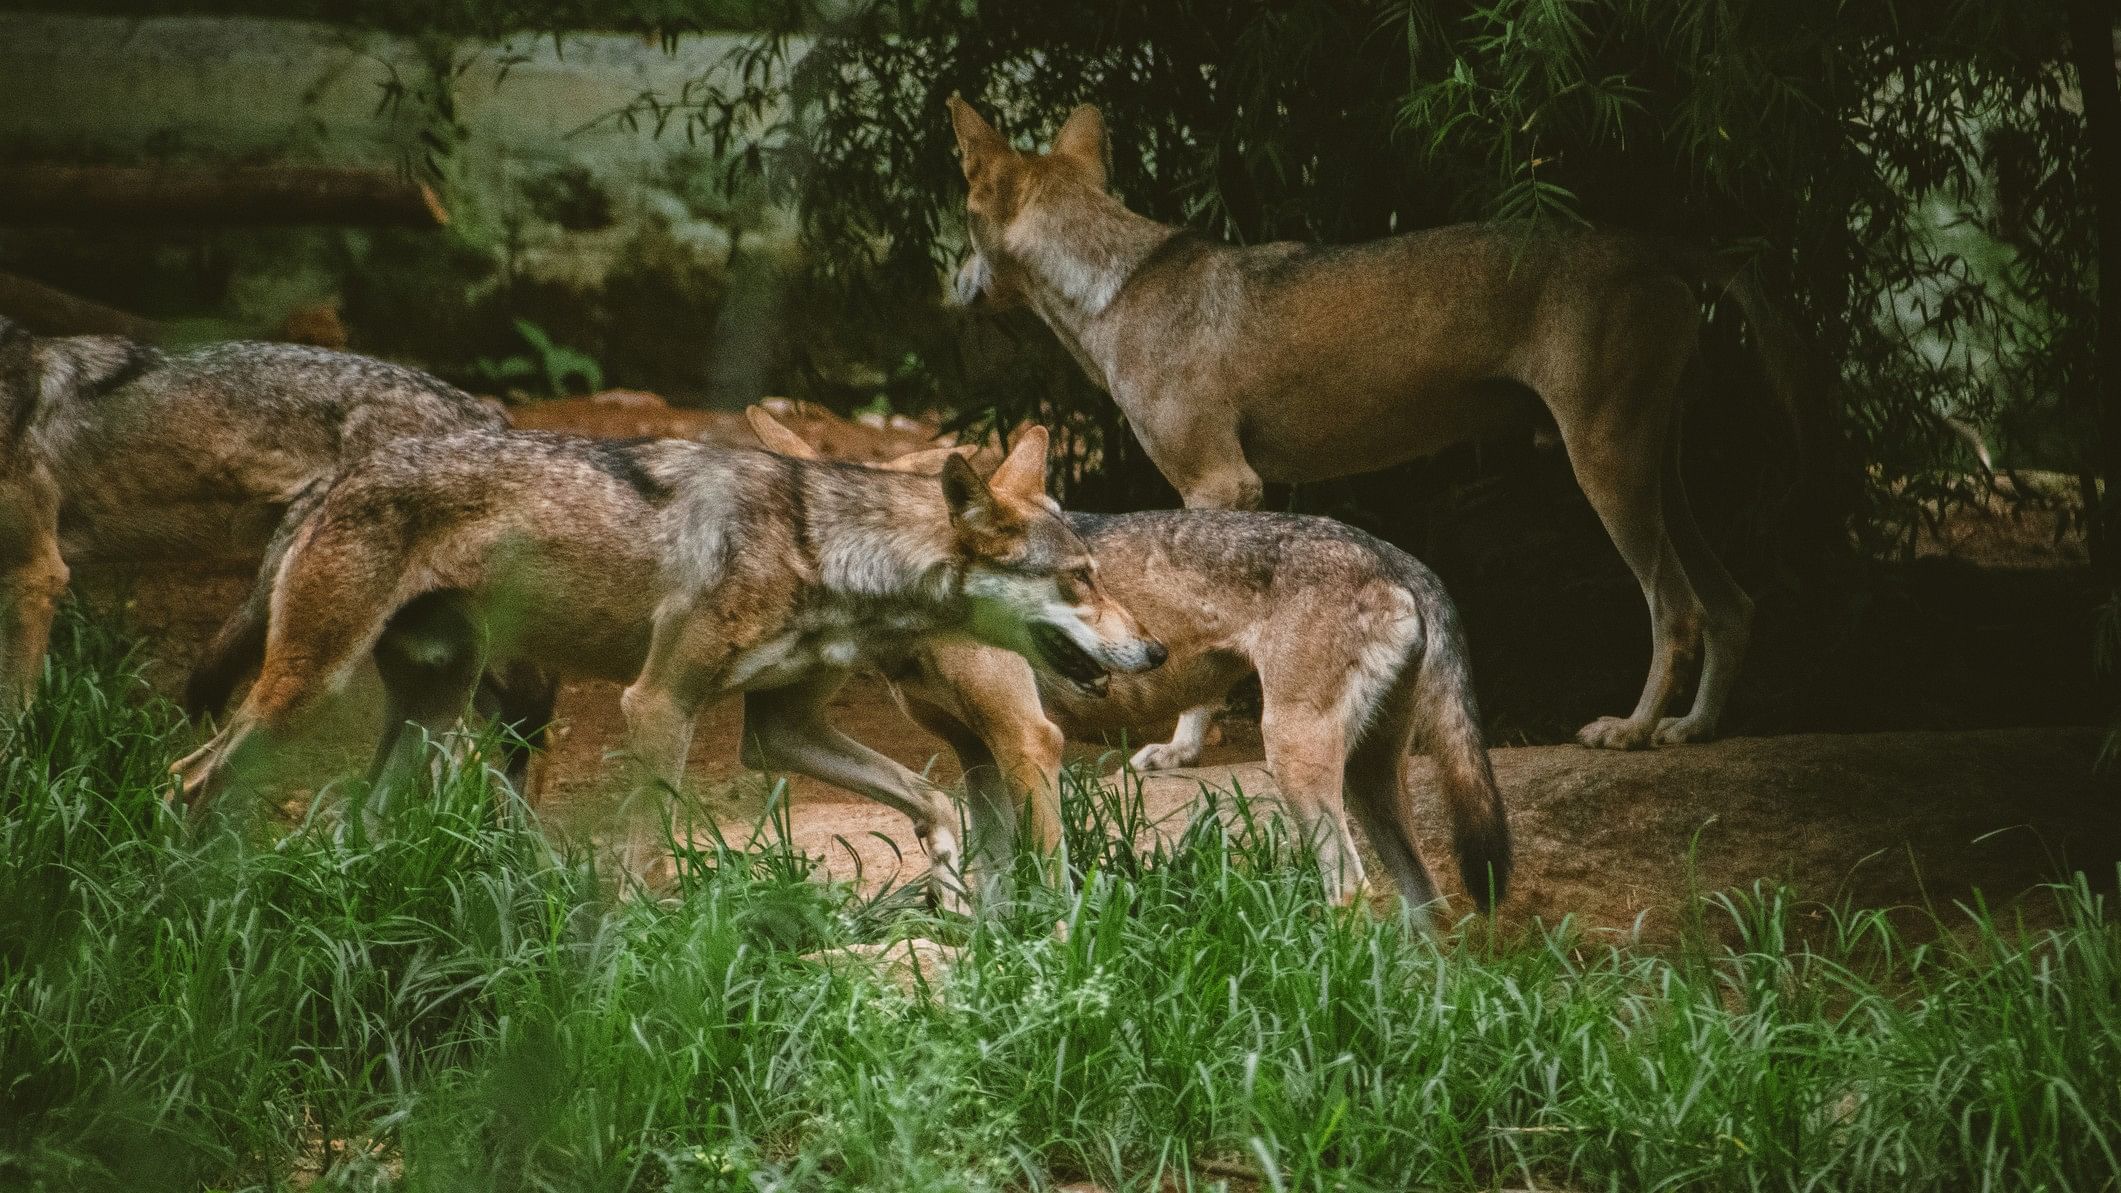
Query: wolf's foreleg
[[1197, 448], [785, 730], [1185, 745]]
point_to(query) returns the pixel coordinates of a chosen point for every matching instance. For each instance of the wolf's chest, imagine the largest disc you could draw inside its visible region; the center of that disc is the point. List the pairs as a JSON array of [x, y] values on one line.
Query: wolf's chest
[[834, 637]]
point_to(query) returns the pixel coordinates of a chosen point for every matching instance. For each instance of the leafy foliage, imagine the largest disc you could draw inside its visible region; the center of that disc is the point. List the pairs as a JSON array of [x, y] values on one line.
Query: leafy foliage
[[560, 369], [1909, 181], [476, 18]]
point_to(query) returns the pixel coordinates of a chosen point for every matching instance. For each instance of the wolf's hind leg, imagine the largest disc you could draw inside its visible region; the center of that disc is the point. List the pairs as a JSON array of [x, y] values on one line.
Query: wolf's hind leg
[[1727, 614], [333, 600], [1376, 784], [239, 644], [1615, 411]]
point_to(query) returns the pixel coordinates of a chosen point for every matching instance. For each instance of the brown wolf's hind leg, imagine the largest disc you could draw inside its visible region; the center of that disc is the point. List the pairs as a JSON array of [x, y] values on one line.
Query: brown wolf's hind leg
[[1615, 412], [1727, 615], [334, 598], [1307, 751]]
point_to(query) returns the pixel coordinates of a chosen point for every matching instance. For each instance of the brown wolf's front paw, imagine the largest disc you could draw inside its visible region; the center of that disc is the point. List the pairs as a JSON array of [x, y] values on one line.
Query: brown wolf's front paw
[[1615, 733]]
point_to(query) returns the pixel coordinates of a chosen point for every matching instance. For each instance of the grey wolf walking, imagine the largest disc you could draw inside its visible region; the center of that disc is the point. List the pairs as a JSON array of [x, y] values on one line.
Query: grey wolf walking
[[1358, 652], [1288, 362], [688, 571], [112, 450]]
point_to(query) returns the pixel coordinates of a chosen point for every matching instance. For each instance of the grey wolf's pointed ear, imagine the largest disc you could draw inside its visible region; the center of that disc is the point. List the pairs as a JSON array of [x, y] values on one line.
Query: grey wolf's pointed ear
[[964, 492], [1023, 473], [976, 139], [775, 436], [1082, 140]]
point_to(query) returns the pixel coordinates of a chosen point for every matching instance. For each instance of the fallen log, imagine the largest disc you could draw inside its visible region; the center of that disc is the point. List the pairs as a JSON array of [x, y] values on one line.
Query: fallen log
[[54, 193], [48, 310]]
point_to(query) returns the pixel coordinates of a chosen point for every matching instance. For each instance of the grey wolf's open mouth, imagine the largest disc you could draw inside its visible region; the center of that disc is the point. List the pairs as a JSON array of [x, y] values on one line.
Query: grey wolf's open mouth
[[1067, 660]]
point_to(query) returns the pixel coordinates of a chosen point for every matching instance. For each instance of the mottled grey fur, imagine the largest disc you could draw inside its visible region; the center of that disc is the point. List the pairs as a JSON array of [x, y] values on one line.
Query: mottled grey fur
[[688, 571], [1358, 651], [121, 452]]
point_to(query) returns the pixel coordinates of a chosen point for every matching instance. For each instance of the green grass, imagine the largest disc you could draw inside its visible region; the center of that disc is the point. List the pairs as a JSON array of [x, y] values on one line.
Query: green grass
[[457, 1006]]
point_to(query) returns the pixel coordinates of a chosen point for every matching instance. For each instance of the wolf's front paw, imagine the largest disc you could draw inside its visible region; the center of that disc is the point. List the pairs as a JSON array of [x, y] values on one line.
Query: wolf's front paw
[[1676, 731], [1164, 755], [1615, 733]]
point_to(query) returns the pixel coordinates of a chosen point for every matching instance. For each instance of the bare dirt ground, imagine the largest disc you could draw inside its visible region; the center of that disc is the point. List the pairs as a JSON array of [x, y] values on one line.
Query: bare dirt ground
[[1881, 819], [1906, 818]]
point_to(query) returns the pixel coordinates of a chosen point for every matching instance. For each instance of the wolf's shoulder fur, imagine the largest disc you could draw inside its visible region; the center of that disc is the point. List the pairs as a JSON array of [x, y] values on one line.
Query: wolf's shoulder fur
[[297, 379], [1253, 550]]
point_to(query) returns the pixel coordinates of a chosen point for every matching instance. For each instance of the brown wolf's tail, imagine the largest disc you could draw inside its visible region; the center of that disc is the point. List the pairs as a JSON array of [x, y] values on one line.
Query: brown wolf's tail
[[1448, 714], [1781, 354]]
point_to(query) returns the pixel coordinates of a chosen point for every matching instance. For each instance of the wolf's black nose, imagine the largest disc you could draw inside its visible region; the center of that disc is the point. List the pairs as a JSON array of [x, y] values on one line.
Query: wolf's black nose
[[1157, 653]]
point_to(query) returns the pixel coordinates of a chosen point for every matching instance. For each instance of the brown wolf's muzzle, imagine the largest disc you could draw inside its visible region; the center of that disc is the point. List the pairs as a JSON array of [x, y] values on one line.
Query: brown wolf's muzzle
[[973, 283]]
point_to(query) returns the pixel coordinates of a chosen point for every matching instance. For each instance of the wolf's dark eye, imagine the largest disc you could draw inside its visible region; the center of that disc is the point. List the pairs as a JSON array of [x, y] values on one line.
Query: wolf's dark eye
[[1082, 577]]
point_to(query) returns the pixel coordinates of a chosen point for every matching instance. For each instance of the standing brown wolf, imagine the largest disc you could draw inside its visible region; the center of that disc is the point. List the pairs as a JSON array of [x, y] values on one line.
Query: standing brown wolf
[[1359, 656], [687, 570], [115, 451], [1287, 362]]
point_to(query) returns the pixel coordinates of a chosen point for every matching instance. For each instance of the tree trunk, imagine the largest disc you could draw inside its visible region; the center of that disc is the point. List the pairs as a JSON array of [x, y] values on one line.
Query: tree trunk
[[50, 193], [2092, 53]]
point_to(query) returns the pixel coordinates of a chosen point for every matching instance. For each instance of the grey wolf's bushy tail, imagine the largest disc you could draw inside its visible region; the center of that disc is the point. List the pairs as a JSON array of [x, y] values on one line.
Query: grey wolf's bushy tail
[[1449, 717]]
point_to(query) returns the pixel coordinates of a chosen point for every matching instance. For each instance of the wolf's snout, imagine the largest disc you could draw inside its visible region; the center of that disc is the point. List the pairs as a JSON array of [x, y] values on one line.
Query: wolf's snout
[[1142, 654], [971, 282]]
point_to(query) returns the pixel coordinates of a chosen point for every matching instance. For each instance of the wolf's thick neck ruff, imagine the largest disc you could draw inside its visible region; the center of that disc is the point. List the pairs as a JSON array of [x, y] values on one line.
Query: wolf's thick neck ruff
[[880, 539], [1080, 254]]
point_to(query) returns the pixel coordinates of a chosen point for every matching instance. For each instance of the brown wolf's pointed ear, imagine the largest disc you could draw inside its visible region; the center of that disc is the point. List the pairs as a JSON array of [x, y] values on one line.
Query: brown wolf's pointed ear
[[976, 139], [1023, 472], [775, 436], [928, 461], [964, 492], [1082, 140]]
